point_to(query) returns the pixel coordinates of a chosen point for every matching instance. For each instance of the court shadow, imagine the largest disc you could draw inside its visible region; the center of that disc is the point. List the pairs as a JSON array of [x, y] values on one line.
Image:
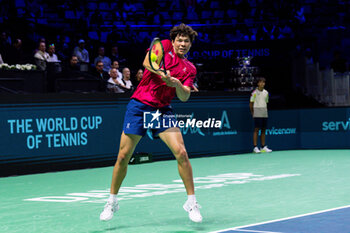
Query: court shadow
[[192, 227], [106, 230]]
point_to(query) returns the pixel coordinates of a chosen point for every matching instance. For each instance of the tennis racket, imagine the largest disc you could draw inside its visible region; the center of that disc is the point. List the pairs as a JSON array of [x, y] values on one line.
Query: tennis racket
[[156, 56]]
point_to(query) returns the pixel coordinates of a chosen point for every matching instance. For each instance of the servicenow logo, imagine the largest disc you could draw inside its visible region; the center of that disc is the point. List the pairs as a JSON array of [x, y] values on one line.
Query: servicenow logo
[[279, 131], [336, 125]]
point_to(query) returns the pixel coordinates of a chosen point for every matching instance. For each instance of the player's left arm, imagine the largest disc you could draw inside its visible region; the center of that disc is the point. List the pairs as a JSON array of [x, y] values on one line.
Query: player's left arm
[[267, 97], [182, 92]]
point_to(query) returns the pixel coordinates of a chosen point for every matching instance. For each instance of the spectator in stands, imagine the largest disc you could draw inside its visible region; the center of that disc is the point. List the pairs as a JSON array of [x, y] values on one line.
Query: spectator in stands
[[5, 44], [101, 75], [101, 57], [72, 70], [73, 64], [114, 53], [15, 55], [126, 79], [5, 38], [62, 45], [82, 55], [41, 56], [113, 85], [41, 40], [52, 56], [116, 57], [138, 77], [339, 64], [115, 65], [53, 66]]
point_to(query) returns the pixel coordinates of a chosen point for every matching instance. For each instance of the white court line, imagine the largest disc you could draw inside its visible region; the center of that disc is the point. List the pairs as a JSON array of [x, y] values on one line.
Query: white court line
[[281, 219], [255, 231]]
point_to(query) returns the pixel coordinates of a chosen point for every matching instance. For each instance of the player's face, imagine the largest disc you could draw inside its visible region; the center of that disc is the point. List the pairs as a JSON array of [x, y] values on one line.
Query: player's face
[[182, 45], [261, 84]]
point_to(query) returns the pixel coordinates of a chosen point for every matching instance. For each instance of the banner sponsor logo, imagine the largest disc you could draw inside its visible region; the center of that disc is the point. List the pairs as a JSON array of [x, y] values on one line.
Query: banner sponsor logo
[[336, 125]]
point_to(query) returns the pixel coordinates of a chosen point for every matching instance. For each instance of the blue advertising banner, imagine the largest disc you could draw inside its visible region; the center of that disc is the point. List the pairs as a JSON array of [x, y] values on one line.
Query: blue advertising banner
[[325, 128], [80, 131], [59, 131]]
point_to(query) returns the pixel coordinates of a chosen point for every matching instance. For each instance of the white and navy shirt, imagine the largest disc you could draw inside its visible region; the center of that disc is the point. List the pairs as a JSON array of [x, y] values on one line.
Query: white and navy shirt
[[260, 100]]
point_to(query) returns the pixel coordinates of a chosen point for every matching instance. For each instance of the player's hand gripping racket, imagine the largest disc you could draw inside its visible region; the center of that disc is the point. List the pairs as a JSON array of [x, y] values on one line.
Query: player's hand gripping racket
[[156, 56]]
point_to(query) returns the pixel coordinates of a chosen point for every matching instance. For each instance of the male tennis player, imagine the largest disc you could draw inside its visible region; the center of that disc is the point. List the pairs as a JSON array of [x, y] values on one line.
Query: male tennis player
[[154, 94], [258, 108]]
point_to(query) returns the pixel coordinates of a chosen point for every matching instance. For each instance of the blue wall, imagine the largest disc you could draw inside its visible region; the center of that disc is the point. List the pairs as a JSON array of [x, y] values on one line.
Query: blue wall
[[91, 130]]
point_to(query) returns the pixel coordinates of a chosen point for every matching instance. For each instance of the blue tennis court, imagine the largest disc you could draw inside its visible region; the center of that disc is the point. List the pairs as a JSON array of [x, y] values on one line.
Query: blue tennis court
[[333, 220]]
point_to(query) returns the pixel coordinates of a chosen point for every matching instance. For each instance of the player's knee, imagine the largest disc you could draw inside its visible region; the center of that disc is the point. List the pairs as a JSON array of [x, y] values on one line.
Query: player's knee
[[181, 155], [123, 158]]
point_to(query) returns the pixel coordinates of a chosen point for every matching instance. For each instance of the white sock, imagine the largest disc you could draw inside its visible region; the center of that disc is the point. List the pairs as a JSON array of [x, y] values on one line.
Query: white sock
[[113, 198], [191, 198]]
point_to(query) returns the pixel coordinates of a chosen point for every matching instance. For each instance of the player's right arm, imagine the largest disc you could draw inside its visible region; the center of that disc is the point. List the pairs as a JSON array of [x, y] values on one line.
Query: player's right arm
[[251, 102]]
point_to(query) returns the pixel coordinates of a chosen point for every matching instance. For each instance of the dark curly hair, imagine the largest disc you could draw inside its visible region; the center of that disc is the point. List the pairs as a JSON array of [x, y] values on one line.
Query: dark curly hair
[[183, 30]]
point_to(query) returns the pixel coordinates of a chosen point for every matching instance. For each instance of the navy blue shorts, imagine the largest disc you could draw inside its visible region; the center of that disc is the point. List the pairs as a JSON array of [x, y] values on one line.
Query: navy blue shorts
[[141, 118], [260, 122]]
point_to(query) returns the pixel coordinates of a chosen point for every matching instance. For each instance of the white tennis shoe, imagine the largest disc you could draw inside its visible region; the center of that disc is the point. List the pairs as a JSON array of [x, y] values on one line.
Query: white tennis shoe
[[110, 208], [193, 211], [256, 150], [265, 149]]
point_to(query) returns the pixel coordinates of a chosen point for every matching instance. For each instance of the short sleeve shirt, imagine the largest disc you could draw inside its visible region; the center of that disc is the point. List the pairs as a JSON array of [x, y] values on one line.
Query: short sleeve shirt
[[153, 91], [260, 100]]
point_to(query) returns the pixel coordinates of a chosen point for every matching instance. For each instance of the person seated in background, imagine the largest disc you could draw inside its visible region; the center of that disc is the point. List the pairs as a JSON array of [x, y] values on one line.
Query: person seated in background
[[52, 56], [101, 57], [115, 56], [101, 75], [126, 80], [115, 65], [138, 77], [82, 55], [73, 64], [72, 69], [15, 55], [41, 56], [113, 85]]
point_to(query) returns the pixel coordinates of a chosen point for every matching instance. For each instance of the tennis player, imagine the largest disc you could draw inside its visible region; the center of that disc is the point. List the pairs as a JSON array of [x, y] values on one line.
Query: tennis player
[[258, 109], [154, 94]]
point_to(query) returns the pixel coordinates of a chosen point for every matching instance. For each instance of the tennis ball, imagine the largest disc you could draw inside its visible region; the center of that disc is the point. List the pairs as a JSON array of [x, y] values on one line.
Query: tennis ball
[[153, 57]]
